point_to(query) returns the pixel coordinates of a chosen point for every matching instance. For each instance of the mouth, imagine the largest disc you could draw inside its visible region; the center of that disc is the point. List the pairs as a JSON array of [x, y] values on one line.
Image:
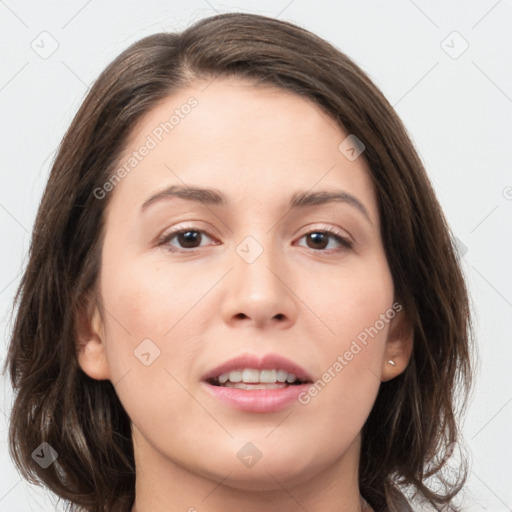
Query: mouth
[[269, 370], [257, 384], [252, 378]]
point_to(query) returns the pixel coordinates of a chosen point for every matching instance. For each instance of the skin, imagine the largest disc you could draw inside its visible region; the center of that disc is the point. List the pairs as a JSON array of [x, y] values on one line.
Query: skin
[[257, 145]]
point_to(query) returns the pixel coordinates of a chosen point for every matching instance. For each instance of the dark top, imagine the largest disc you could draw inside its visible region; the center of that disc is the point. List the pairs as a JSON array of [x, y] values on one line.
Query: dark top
[[382, 507]]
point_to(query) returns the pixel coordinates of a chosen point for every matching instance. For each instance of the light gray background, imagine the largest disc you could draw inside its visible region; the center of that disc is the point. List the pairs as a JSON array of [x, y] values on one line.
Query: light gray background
[[457, 109]]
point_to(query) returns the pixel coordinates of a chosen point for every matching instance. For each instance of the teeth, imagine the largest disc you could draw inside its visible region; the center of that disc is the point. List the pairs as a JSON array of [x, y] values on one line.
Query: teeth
[[223, 378], [241, 385], [252, 376], [281, 375], [249, 375], [234, 376], [268, 376]]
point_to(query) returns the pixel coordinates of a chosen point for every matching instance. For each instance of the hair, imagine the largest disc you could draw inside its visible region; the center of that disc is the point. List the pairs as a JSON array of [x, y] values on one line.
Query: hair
[[410, 433]]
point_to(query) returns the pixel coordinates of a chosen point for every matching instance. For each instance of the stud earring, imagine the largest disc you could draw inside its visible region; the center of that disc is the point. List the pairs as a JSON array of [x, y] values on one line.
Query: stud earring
[[391, 362]]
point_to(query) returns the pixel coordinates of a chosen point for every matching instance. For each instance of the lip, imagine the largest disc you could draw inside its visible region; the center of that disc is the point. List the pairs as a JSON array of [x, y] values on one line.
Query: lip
[[257, 400]]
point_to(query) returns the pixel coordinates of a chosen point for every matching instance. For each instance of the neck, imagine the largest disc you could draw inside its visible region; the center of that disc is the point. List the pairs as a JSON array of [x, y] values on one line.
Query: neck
[[163, 485]]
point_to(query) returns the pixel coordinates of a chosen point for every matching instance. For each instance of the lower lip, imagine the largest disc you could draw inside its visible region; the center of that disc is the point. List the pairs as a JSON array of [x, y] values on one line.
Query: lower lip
[[257, 400]]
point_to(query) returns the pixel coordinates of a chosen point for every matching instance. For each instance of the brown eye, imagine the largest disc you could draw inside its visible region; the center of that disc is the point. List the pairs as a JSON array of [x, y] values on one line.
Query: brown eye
[[189, 239], [320, 240], [184, 239]]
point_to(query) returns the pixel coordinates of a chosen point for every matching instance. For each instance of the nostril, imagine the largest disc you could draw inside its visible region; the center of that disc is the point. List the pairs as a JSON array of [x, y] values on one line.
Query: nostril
[[279, 316]]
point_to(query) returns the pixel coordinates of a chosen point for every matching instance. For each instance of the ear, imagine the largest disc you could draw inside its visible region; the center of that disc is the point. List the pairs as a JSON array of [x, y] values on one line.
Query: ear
[[399, 346], [90, 335]]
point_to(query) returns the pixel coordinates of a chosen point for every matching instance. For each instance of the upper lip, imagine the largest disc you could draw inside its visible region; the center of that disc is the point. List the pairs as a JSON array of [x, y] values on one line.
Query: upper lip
[[265, 362]]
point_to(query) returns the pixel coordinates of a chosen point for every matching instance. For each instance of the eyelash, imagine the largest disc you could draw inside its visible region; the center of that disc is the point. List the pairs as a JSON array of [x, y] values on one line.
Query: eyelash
[[166, 238]]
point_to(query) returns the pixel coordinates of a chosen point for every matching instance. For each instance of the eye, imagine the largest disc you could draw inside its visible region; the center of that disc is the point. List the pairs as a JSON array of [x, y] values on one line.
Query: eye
[[321, 238], [187, 238], [191, 238]]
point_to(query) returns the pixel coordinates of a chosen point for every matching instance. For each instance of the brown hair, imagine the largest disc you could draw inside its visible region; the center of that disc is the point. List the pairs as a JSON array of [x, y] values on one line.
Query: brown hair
[[412, 427]]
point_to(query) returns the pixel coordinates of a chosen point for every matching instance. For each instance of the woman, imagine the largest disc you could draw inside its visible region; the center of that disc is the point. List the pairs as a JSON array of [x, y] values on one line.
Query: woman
[[242, 293]]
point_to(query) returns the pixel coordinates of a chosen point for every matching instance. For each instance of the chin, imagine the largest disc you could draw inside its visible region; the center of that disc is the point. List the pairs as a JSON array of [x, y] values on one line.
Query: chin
[[270, 472], [264, 479]]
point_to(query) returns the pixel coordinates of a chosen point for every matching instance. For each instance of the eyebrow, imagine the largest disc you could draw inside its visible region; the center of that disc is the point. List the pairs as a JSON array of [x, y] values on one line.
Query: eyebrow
[[215, 197]]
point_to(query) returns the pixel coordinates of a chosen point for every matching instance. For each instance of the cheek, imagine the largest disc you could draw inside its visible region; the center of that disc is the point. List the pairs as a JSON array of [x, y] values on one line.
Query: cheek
[[355, 312], [350, 299], [153, 315], [145, 320]]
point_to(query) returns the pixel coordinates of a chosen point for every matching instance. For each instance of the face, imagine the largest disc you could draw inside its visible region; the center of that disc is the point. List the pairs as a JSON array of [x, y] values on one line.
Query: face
[[251, 270]]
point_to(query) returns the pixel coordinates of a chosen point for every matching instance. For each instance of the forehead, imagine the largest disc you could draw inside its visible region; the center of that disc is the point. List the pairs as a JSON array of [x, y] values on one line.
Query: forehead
[[250, 141]]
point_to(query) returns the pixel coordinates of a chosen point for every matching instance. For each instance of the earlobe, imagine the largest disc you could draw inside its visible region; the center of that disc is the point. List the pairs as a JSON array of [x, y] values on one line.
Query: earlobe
[[399, 347], [90, 335]]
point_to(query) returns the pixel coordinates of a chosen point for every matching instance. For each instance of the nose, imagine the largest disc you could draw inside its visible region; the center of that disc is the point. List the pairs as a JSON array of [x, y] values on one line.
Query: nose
[[258, 291]]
